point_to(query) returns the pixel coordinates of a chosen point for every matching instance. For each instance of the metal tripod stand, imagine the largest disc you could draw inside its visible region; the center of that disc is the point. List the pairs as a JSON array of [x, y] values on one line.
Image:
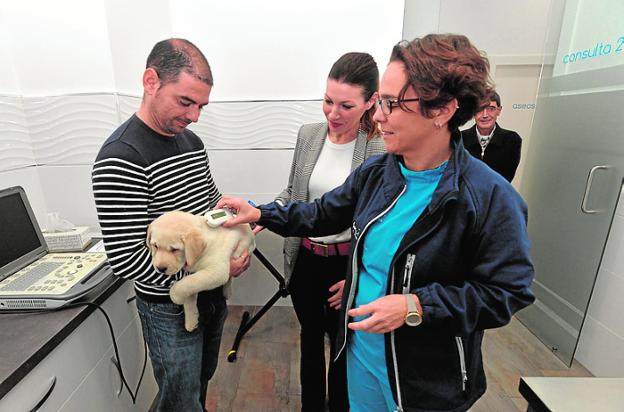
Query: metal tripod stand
[[247, 322]]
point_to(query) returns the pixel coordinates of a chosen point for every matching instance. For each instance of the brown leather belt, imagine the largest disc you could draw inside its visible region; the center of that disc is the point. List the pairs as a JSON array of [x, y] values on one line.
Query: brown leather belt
[[330, 249]]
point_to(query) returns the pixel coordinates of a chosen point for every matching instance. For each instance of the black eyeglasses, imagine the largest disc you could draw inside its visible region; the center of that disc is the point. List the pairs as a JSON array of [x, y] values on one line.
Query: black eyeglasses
[[386, 105]]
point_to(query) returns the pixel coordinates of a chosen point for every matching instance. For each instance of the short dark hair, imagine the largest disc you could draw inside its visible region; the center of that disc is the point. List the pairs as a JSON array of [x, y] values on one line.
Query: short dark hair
[[359, 69], [493, 97], [172, 56], [443, 67]]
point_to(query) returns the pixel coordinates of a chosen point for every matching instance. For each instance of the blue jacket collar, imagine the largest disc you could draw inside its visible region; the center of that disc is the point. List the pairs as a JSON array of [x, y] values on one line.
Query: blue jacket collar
[[448, 187], [449, 182]]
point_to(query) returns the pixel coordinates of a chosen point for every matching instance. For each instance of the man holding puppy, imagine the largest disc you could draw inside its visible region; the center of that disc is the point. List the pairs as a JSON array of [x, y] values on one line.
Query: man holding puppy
[[151, 165]]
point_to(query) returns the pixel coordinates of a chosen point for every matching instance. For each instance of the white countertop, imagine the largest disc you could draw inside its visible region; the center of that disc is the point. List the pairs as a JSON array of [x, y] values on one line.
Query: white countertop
[[574, 394]]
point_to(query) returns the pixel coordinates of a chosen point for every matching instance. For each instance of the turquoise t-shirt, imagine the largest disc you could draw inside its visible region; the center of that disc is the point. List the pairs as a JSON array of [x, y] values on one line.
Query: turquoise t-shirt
[[380, 245]]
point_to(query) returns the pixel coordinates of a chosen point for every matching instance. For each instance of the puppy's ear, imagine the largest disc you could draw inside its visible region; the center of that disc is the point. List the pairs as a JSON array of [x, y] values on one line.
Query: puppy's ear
[[149, 236], [194, 246]]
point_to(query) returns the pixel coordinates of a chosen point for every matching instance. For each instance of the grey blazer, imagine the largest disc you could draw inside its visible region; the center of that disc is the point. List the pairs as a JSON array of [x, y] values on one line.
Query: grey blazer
[[310, 141]]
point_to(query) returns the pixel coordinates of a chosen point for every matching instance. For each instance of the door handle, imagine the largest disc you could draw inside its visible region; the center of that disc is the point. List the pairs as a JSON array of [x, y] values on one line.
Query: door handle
[[590, 180]]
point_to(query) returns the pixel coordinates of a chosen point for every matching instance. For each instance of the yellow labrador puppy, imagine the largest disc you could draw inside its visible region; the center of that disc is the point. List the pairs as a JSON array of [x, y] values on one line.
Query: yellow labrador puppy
[[180, 240]]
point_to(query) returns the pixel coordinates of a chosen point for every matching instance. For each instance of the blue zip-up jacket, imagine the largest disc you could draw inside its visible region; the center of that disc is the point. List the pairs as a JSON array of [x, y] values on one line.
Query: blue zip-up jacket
[[466, 258]]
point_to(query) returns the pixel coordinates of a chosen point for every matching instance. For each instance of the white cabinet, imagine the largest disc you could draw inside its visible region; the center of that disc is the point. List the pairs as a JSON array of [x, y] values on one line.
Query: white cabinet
[[102, 389], [79, 375]]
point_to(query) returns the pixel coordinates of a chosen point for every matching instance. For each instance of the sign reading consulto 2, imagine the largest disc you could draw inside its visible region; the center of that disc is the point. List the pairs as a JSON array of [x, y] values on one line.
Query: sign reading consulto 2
[[600, 49]]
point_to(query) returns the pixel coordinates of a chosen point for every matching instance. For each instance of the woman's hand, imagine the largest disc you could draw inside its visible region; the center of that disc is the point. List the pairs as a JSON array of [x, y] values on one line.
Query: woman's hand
[[386, 314], [335, 299], [245, 213]]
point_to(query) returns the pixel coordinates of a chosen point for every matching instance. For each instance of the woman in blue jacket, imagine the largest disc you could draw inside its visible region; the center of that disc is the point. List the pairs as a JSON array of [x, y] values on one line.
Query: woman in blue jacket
[[439, 247]]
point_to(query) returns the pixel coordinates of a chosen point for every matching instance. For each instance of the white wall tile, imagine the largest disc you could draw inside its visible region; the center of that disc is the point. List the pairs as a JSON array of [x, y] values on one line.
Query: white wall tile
[[606, 302], [613, 257], [28, 178], [70, 129], [253, 125], [245, 125], [255, 173], [128, 105], [67, 190], [601, 344], [15, 145], [257, 285], [600, 350]]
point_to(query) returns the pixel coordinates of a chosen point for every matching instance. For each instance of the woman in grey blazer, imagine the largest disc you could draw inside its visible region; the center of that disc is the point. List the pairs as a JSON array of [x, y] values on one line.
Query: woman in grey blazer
[[325, 155]]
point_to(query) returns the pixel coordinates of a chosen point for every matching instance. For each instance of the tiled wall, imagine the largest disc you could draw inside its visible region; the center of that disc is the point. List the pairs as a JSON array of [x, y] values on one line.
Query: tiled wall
[[246, 125], [601, 346], [68, 130], [16, 149], [250, 143]]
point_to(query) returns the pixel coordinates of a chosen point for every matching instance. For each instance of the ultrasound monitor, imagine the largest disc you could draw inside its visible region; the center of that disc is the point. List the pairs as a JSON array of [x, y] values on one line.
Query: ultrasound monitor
[[21, 240]]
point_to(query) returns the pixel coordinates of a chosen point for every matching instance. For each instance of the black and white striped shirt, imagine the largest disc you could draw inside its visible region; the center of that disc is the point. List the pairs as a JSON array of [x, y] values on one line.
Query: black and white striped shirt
[[138, 175]]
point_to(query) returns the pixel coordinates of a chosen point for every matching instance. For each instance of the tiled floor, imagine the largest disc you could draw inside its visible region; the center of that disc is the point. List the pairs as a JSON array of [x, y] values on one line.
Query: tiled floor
[[265, 376]]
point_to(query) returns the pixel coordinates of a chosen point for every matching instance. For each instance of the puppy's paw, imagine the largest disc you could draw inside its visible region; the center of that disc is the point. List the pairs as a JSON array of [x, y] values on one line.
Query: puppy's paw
[[177, 295], [190, 325], [191, 314]]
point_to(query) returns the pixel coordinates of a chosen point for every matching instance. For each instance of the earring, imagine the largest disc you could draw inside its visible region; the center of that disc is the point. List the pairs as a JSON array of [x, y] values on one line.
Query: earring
[[437, 125]]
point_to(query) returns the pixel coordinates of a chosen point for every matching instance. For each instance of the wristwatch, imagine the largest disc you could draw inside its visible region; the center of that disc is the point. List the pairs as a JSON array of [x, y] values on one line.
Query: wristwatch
[[413, 318]]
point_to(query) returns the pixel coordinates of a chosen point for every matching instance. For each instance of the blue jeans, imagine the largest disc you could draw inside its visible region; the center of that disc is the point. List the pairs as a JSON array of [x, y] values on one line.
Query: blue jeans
[[183, 361]]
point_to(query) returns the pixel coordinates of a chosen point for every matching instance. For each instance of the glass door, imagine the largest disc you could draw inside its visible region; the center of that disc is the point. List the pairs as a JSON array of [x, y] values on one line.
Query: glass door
[[574, 164]]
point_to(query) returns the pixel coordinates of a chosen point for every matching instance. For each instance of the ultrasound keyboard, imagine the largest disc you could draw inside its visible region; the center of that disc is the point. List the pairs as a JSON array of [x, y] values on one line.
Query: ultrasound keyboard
[[53, 274]]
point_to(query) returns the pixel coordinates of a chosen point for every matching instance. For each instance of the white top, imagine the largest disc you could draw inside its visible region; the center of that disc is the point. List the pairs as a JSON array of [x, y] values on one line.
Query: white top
[[330, 171], [484, 140]]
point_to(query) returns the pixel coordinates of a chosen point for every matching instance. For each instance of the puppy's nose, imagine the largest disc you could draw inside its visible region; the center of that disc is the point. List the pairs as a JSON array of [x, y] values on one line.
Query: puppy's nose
[[161, 269]]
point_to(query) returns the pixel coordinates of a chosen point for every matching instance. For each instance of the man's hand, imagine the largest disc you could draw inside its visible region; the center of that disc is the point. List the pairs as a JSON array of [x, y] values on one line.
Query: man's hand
[[240, 264], [335, 299], [245, 213], [386, 314]]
